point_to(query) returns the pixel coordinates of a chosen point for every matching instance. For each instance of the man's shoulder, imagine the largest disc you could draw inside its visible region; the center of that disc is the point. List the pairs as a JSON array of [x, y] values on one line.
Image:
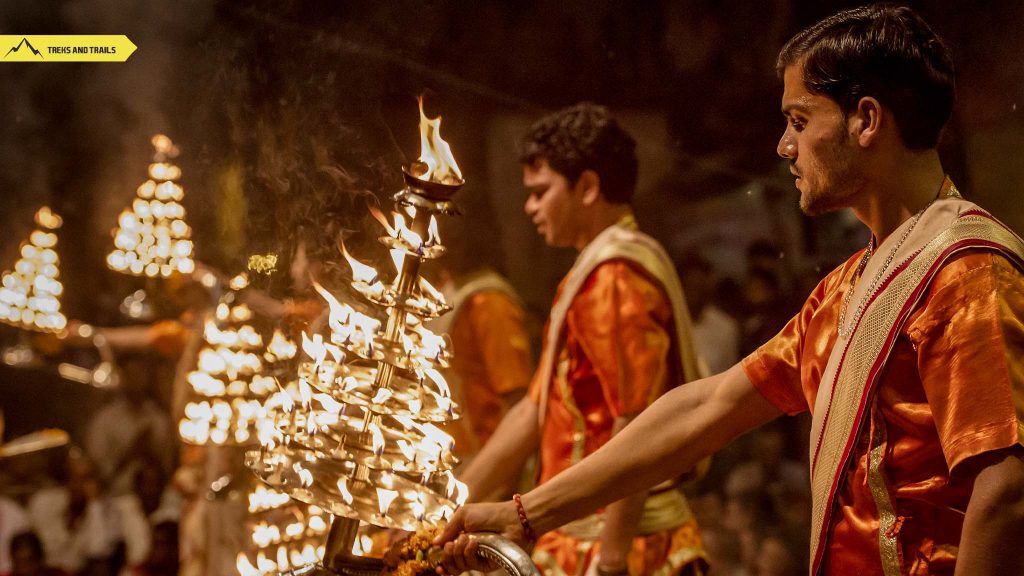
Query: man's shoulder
[[621, 273], [978, 264]]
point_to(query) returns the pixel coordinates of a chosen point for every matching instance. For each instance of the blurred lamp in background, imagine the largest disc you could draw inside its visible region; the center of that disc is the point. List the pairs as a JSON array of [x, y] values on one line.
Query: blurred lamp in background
[[152, 238], [30, 293]]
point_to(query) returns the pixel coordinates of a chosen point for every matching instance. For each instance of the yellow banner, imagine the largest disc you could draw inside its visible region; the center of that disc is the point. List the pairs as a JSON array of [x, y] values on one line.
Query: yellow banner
[[66, 48]]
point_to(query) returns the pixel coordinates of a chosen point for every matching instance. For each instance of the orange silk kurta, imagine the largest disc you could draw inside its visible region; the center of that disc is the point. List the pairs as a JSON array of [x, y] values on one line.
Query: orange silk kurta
[[615, 361], [952, 388], [492, 359]]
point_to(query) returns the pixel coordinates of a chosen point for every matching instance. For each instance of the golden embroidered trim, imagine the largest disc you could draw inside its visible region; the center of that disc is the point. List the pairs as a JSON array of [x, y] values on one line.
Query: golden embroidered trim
[[888, 531], [865, 347], [579, 423]]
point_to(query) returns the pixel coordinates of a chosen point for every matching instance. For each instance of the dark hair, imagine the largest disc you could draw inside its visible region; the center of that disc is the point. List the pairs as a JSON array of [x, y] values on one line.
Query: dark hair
[[585, 137], [27, 539], [884, 51]]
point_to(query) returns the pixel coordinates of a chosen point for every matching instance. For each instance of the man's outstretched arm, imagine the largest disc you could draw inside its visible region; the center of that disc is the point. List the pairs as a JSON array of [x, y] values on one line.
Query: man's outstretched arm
[[667, 439]]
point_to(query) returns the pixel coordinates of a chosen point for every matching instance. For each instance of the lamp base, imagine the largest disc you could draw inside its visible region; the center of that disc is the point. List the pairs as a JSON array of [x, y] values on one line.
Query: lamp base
[[352, 566]]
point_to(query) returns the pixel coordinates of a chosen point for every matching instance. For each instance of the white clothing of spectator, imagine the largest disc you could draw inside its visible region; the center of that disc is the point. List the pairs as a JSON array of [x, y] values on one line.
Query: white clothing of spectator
[[13, 520]]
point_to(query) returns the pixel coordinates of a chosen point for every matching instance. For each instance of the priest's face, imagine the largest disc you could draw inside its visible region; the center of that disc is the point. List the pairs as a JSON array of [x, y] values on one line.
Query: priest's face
[[818, 145], [553, 204]]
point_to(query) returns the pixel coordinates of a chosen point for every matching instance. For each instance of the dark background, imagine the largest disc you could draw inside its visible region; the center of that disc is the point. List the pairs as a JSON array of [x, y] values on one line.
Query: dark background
[[297, 113]]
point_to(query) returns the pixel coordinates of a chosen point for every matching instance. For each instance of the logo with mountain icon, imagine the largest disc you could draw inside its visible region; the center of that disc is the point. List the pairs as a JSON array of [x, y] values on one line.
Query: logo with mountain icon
[[24, 42]]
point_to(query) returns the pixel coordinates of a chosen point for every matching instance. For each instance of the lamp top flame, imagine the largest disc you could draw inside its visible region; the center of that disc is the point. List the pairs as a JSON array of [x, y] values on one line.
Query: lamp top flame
[[164, 146], [48, 219], [435, 153]]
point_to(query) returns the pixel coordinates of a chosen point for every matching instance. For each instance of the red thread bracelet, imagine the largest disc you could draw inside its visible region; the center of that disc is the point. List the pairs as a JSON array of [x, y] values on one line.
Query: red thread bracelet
[[527, 529]]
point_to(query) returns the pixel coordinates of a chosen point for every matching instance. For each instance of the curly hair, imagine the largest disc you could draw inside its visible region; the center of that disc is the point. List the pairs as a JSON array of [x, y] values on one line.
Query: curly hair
[[884, 51], [585, 137]]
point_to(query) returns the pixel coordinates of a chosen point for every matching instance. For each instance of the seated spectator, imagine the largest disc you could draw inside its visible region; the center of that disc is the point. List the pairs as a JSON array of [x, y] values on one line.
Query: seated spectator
[[163, 556], [152, 501], [724, 552], [766, 467], [779, 555], [716, 333], [13, 520], [131, 429], [78, 527], [27, 557], [746, 514]]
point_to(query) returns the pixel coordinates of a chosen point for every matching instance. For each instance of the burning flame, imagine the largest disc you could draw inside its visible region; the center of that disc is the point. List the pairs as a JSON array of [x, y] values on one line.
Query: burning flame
[[245, 568], [398, 257], [377, 438], [384, 499], [436, 153], [343, 489], [280, 347], [433, 236], [362, 545], [239, 282], [438, 379], [361, 272], [346, 322], [428, 289], [314, 348], [47, 219], [399, 231], [405, 233], [305, 476]]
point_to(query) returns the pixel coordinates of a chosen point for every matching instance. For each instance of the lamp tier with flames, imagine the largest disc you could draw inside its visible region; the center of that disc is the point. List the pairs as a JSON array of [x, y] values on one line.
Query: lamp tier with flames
[[152, 238], [234, 375], [30, 292], [284, 532], [361, 437]]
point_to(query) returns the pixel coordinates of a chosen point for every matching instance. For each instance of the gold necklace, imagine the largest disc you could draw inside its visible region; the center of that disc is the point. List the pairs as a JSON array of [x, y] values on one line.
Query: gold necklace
[[844, 330]]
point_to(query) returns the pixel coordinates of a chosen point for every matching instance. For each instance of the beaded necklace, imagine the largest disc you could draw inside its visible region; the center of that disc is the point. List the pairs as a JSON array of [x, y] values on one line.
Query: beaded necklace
[[846, 330]]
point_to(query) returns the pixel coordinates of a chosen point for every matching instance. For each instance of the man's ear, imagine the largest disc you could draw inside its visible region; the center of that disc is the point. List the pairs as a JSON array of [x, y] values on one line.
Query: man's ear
[[865, 123], [588, 185]]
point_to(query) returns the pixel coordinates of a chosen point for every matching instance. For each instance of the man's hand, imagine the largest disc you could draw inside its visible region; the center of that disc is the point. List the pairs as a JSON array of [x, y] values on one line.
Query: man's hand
[[460, 551]]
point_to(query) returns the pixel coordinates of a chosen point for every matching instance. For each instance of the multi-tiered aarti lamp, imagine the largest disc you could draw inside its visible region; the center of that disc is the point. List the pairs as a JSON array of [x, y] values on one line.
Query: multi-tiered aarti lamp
[[229, 382], [152, 238], [360, 439], [284, 532], [30, 293], [235, 372]]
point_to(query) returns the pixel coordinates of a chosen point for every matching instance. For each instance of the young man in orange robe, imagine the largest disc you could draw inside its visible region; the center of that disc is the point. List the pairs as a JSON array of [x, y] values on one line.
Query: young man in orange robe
[[618, 337], [908, 355]]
